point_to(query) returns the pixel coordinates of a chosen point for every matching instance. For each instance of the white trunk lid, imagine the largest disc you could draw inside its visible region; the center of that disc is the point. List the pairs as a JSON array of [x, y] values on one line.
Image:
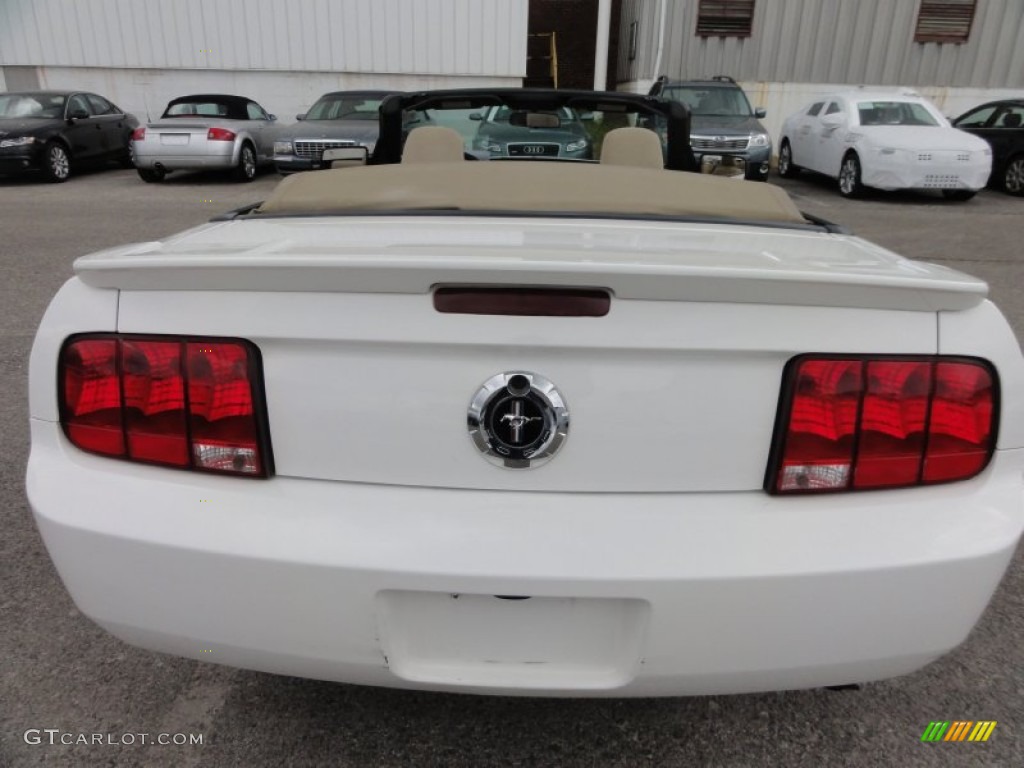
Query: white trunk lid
[[675, 389]]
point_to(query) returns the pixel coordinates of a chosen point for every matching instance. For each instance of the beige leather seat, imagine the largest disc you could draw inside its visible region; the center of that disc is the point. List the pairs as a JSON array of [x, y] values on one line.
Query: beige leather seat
[[638, 147], [432, 144]]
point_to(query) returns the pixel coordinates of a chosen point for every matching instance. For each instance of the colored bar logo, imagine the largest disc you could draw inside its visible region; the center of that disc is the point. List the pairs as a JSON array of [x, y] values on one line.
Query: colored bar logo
[[958, 730]]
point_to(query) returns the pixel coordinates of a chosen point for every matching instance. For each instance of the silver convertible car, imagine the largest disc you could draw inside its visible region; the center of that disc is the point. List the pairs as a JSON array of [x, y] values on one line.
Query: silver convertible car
[[205, 132]]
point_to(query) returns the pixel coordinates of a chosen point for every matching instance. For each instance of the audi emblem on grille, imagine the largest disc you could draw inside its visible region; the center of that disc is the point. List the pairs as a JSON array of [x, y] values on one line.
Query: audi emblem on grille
[[533, 149]]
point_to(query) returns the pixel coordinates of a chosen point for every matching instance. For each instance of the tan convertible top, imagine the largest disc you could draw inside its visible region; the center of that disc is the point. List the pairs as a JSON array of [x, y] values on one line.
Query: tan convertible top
[[530, 186]]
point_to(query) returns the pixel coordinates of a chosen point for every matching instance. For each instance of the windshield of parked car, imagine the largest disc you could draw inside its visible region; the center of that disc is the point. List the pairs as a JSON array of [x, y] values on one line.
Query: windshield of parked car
[[342, 106], [504, 115], [710, 101], [894, 113], [43, 105]]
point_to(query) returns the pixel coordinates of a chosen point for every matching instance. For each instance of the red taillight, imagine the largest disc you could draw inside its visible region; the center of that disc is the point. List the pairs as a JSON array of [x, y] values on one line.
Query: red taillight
[[139, 134], [190, 403], [220, 134], [854, 423]]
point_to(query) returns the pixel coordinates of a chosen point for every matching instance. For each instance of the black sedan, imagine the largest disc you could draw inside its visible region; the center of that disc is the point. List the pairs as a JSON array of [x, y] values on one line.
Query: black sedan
[[55, 131], [1001, 124]]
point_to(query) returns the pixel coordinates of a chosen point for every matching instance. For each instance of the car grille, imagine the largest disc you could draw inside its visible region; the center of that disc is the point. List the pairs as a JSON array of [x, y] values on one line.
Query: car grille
[[701, 142], [314, 150], [533, 150]]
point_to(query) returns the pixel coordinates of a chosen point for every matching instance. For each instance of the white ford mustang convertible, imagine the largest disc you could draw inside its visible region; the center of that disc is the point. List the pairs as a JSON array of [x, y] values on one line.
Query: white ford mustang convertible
[[529, 427]]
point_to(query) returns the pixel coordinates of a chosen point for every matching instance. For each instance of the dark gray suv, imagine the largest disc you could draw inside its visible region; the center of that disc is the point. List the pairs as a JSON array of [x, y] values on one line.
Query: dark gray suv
[[725, 133]]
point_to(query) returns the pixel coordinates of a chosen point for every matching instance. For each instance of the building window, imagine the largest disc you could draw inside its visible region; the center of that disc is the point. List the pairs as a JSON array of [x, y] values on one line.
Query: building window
[[944, 21], [725, 18]]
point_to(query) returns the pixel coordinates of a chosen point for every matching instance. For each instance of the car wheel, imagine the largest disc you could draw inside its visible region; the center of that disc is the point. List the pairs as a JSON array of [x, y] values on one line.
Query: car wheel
[[958, 194], [787, 168], [849, 177], [56, 163], [150, 175], [1013, 176], [246, 168]]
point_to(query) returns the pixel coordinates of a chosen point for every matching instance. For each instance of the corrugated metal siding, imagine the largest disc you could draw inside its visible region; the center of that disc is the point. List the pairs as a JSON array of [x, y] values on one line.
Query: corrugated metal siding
[[833, 41], [450, 37]]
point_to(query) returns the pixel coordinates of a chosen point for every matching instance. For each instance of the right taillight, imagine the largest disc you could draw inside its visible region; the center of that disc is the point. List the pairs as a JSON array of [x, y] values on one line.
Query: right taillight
[[192, 403], [862, 422]]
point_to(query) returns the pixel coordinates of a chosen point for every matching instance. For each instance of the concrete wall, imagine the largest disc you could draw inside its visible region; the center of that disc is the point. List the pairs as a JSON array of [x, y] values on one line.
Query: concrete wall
[[435, 37]]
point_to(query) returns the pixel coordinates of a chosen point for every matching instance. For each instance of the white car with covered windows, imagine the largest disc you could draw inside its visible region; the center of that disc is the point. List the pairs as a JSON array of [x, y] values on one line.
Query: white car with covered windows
[[883, 140], [541, 427]]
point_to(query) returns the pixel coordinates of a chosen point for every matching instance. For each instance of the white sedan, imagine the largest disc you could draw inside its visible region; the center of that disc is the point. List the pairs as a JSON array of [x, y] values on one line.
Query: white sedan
[[885, 141], [529, 427]]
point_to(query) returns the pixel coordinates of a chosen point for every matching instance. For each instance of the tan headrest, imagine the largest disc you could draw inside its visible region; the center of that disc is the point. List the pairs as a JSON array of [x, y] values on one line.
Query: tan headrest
[[638, 147], [433, 144]]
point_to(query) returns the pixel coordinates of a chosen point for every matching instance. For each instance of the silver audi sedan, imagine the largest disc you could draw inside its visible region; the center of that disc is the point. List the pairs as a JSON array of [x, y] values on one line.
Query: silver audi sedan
[[205, 132]]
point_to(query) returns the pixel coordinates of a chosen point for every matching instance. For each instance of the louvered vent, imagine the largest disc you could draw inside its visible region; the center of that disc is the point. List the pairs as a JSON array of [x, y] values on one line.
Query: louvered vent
[[725, 18], [944, 21]]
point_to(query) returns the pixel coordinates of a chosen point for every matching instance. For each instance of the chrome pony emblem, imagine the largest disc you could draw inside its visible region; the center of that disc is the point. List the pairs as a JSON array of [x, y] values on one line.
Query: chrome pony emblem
[[518, 419]]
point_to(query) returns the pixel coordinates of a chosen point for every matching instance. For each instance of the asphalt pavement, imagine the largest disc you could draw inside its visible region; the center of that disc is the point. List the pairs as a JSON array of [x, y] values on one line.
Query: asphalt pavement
[[62, 678]]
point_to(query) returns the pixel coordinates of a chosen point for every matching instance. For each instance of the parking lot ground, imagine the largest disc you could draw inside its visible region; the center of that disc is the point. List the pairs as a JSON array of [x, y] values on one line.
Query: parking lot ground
[[59, 671]]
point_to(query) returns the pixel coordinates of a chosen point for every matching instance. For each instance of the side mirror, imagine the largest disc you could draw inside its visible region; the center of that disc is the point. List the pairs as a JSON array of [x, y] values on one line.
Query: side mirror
[[760, 112], [78, 114], [833, 121], [476, 116], [271, 118], [301, 116]]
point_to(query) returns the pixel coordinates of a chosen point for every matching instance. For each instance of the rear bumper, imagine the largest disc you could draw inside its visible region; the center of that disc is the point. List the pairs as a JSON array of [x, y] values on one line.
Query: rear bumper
[[209, 155], [630, 594]]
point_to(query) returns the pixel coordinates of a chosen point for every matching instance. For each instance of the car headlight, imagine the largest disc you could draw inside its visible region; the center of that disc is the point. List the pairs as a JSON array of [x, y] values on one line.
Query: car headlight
[[576, 146], [282, 148], [759, 140], [490, 146], [887, 151], [18, 141]]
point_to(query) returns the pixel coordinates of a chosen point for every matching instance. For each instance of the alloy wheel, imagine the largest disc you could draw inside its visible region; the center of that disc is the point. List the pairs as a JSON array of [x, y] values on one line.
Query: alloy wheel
[[848, 176], [59, 165], [1013, 180]]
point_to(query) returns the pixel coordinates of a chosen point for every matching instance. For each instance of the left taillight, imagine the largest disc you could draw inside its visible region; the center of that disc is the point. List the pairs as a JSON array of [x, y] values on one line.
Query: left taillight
[[139, 134], [220, 134], [192, 403], [858, 422]]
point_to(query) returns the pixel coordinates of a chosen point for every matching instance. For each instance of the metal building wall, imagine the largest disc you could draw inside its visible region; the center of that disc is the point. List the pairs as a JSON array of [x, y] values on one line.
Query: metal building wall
[[830, 41], [431, 37]]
